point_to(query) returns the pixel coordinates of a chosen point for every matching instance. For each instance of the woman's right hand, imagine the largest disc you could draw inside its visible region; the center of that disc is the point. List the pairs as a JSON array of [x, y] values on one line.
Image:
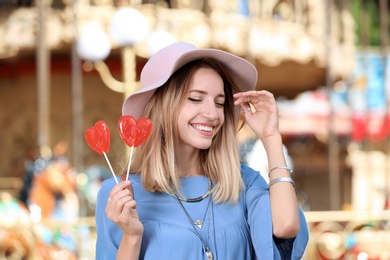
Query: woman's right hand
[[121, 209]]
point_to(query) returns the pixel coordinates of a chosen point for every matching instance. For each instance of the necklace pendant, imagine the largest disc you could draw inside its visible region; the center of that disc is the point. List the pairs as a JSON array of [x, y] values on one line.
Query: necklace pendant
[[199, 223], [209, 254]]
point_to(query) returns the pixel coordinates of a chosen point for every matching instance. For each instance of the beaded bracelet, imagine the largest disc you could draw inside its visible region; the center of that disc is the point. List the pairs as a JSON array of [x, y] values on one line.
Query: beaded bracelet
[[279, 167], [281, 179]]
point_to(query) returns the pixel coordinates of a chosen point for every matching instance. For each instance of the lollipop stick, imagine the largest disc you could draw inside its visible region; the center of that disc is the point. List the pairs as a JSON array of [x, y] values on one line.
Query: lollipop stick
[[128, 166], [109, 164]]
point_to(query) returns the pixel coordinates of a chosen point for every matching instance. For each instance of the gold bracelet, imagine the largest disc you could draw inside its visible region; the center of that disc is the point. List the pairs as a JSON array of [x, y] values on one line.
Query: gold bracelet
[[281, 179], [279, 167]]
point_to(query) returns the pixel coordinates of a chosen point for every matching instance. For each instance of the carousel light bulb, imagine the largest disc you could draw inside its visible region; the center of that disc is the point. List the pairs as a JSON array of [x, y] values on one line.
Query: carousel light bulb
[[158, 40], [94, 44], [128, 26]]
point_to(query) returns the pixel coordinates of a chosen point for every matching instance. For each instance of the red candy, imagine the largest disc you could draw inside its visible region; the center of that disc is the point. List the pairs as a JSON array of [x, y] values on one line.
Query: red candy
[[98, 137], [143, 130], [134, 132]]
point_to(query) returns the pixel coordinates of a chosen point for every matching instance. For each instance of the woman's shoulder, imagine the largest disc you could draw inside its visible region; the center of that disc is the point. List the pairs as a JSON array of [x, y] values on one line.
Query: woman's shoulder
[[251, 176]]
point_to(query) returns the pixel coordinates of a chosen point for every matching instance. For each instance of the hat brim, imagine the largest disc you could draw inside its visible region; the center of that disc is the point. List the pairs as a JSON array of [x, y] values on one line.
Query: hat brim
[[243, 72]]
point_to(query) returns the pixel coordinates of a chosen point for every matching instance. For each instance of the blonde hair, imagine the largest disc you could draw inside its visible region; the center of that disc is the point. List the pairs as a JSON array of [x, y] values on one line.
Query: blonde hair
[[155, 159]]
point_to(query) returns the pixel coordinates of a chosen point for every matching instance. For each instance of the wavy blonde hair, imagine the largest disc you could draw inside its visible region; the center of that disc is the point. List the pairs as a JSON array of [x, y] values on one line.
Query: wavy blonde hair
[[155, 159]]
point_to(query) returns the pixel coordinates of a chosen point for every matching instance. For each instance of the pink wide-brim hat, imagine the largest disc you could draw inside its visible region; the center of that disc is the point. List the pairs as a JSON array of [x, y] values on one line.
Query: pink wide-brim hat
[[165, 62]]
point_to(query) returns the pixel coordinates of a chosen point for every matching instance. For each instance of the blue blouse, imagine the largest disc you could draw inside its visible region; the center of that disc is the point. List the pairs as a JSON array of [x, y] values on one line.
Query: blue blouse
[[240, 231]]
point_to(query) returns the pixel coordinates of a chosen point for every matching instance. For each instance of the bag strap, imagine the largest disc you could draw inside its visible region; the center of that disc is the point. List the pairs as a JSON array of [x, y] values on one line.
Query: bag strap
[[123, 178]]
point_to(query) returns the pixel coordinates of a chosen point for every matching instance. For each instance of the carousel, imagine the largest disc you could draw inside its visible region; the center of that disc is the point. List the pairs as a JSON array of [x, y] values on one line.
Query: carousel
[[79, 59]]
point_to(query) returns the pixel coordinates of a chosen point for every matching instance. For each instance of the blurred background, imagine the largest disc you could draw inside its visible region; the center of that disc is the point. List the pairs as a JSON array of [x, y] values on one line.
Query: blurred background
[[65, 64]]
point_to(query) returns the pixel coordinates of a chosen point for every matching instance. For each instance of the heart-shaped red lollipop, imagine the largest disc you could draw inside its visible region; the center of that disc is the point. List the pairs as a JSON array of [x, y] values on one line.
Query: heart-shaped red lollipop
[[126, 128], [143, 130], [98, 137], [134, 132]]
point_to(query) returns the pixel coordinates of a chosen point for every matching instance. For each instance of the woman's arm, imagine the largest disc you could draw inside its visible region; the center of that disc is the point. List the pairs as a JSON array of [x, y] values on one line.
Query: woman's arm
[[284, 204], [121, 209], [130, 247], [119, 230], [263, 120]]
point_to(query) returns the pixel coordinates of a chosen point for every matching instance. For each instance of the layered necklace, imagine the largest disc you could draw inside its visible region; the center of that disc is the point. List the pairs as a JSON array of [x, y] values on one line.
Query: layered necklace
[[198, 224], [197, 199]]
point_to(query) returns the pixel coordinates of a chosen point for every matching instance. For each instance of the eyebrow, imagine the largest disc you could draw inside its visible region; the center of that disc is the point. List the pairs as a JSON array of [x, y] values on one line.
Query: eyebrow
[[205, 92]]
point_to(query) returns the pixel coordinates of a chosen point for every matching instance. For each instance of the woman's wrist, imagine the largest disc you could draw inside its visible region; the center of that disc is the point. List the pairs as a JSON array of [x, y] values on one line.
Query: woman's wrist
[[279, 167], [276, 159], [130, 247], [272, 141], [132, 240]]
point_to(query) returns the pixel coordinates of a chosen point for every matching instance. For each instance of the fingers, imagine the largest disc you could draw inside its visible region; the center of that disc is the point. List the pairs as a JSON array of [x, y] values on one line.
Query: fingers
[[253, 97], [118, 187], [253, 101], [120, 199], [121, 209]]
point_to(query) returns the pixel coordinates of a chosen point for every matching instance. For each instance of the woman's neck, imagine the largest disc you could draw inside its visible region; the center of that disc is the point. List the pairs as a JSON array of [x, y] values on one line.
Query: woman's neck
[[189, 173], [189, 168], [188, 164]]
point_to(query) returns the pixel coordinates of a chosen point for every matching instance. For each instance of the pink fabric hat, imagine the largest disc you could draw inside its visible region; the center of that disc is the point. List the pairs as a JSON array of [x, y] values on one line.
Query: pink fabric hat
[[165, 62]]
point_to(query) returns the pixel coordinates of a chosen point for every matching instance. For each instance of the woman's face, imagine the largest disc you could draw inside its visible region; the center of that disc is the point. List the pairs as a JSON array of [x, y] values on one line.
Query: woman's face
[[202, 113]]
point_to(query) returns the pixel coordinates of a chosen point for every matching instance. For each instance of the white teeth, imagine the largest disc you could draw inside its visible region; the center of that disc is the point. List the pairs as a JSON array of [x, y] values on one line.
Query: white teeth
[[204, 128]]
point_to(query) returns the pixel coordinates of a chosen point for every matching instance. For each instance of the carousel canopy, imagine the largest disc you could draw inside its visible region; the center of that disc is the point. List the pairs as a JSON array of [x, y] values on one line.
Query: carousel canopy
[[291, 42]]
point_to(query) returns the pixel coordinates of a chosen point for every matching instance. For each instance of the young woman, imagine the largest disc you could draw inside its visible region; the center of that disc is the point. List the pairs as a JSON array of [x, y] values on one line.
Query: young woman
[[189, 197]]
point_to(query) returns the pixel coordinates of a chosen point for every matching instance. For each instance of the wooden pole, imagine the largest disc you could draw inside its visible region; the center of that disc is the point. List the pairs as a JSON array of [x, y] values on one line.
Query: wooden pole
[[333, 147], [77, 98], [43, 72], [384, 36]]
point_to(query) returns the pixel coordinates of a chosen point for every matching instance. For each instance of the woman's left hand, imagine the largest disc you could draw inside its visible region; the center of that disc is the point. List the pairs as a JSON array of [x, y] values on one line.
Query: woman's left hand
[[263, 119]]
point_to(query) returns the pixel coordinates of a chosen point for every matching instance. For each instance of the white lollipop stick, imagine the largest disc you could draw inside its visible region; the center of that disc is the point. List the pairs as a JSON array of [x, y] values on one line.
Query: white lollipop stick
[[109, 164], [128, 166]]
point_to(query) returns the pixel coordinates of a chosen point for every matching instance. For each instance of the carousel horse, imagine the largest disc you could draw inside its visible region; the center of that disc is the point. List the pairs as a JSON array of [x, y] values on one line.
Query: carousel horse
[[49, 187], [49, 193], [17, 239]]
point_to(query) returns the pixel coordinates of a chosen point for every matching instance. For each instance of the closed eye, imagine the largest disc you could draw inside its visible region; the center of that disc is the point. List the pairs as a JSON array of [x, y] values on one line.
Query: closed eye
[[219, 104], [194, 100]]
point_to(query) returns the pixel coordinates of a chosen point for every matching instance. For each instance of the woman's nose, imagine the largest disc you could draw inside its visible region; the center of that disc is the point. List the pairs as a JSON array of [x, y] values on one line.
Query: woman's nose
[[210, 111]]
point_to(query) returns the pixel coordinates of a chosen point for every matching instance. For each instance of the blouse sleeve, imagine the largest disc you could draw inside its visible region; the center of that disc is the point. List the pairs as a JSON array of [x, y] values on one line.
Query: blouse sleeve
[[260, 222], [108, 233]]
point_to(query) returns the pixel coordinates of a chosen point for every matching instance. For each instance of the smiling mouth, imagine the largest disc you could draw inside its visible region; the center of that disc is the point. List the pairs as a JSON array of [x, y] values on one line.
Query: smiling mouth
[[203, 128]]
